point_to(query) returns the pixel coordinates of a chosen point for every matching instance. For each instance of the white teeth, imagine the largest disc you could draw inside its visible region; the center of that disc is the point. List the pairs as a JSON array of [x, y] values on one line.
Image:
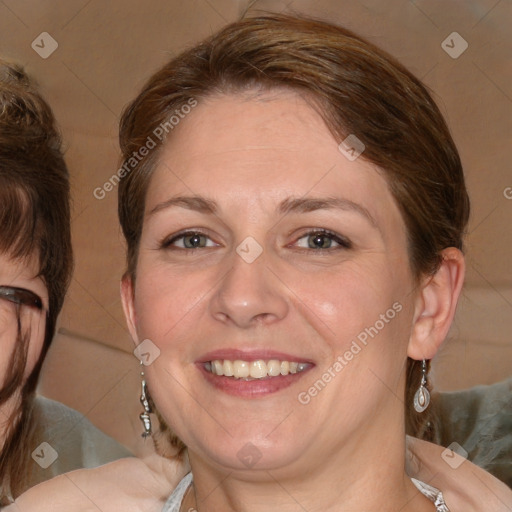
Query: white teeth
[[274, 368], [240, 369], [258, 369], [228, 368], [218, 367]]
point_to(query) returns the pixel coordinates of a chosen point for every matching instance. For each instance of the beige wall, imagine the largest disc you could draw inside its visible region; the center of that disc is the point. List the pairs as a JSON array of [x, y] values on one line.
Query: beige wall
[[107, 49]]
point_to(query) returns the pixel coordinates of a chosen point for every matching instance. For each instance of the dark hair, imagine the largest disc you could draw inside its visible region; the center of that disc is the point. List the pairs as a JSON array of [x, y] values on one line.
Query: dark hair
[[35, 220], [356, 87]]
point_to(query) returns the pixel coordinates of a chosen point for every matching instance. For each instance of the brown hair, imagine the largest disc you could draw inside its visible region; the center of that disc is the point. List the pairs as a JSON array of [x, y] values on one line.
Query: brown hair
[[357, 88], [35, 220]]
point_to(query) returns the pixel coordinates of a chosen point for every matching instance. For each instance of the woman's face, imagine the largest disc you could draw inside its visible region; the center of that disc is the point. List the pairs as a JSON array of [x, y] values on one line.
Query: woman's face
[[21, 274], [263, 242]]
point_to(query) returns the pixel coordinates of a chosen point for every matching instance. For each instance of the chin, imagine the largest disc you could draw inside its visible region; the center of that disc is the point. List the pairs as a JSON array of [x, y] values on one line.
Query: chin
[[250, 451]]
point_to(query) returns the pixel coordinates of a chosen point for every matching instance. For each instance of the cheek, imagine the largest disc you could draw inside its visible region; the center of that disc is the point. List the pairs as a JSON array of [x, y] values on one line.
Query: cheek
[[166, 301], [343, 304]]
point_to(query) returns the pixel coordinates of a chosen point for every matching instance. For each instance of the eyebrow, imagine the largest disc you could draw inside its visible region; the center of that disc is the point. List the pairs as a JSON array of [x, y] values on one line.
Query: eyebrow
[[290, 205], [195, 203], [311, 204]]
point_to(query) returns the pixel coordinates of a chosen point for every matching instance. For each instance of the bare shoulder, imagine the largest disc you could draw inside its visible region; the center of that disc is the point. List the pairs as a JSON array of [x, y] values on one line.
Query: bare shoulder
[[129, 484], [465, 486]]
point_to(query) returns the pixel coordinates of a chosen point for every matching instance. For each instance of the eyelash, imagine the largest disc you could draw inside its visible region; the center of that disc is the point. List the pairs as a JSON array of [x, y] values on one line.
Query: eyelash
[[343, 243], [167, 242]]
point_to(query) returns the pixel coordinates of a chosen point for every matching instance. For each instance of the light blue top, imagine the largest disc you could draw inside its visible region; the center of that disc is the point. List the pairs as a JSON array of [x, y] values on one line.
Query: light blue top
[[174, 502], [76, 442], [65, 440]]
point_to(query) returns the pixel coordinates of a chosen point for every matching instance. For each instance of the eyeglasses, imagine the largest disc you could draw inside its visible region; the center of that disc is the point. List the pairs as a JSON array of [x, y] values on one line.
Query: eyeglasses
[[21, 297]]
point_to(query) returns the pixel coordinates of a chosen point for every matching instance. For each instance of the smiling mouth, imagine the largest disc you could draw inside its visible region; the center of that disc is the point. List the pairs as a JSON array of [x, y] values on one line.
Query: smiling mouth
[[253, 370]]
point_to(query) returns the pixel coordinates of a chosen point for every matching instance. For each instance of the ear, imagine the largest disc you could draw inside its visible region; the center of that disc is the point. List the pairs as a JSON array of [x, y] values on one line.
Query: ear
[[127, 298], [435, 305]]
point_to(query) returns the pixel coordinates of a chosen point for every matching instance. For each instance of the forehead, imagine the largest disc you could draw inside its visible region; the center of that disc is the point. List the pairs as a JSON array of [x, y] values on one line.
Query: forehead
[[21, 272], [259, 130], [253, 151]]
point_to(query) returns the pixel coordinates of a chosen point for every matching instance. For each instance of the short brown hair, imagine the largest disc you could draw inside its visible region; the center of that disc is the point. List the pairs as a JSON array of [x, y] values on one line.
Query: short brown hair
[[35, 220], [356, 87]]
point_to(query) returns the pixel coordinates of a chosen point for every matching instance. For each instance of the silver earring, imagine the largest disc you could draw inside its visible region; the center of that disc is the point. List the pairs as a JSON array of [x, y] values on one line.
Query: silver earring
[[144, 416], [422, 396]]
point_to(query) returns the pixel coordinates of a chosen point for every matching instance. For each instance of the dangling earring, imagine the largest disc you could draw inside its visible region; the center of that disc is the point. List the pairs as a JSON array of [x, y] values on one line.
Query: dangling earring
[[144, 416], [422, 396]]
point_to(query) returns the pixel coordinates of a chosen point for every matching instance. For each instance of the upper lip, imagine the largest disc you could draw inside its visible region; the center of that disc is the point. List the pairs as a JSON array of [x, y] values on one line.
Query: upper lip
[[232, 354]]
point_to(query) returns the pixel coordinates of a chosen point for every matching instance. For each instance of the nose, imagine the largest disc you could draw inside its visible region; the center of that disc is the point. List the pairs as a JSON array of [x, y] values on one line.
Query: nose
[[250, 294]]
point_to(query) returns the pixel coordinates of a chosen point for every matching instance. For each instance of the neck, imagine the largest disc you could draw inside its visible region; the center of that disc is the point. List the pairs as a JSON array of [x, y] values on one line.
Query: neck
[[367, 473]]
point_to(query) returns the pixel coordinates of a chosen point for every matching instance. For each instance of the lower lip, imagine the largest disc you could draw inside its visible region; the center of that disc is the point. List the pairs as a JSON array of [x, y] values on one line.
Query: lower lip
[[251, 388]]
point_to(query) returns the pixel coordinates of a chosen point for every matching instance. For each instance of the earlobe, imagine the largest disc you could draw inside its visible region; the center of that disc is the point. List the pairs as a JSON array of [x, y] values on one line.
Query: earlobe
[[127, 299], [436, 304]]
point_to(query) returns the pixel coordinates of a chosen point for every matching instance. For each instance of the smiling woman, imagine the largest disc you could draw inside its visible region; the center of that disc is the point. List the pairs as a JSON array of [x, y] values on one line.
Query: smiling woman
[[314, 186], [340, 78], [223, 326], [300, 231]]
